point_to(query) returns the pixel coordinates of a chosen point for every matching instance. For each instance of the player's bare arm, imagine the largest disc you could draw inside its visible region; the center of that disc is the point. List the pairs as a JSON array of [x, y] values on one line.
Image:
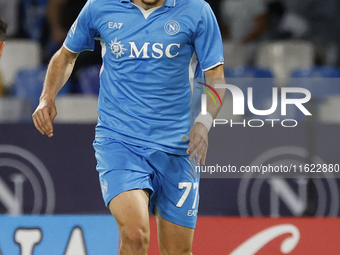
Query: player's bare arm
[[3, 28], [58, 72], [198, 135]]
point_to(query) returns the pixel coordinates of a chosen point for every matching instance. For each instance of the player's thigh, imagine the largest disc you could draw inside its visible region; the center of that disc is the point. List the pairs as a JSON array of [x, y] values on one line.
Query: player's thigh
[[177, 198], [173, 238], [130, 208]]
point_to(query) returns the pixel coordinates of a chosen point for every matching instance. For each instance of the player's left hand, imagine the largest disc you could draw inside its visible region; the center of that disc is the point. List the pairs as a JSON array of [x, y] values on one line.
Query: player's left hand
[[198, 144]]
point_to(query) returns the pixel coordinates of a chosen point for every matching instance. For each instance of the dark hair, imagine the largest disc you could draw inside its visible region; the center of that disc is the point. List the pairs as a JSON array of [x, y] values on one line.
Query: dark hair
[[3, 27]]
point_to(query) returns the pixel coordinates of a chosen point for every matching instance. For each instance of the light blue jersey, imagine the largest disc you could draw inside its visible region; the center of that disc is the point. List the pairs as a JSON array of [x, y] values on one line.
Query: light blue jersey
[[145, 94]]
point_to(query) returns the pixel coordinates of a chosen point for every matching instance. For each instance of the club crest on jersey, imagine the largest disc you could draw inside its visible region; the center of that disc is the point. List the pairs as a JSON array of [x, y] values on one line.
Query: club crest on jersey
[[117, 48], [172, 27]]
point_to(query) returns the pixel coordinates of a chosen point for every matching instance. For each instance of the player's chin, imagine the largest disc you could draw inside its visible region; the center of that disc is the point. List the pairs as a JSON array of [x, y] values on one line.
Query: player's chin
[[150, 2]]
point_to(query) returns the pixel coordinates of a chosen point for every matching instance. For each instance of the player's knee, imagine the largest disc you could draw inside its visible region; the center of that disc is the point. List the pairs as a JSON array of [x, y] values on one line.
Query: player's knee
[[135, 236]]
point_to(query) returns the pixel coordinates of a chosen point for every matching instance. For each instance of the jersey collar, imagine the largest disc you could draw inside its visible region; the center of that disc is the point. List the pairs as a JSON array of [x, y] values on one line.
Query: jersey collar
[[168, 3]]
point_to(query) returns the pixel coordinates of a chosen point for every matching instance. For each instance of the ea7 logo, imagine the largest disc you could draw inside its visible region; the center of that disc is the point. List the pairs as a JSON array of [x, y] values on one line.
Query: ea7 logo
[[115, 25]]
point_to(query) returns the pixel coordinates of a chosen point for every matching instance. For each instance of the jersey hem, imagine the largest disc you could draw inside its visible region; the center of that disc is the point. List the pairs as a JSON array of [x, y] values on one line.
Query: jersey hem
[[134, 141], [177, 221]]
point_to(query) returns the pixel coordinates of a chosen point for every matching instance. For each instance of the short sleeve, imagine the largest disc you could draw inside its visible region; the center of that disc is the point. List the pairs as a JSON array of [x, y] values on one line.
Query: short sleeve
[[208, 41], [82, 33]]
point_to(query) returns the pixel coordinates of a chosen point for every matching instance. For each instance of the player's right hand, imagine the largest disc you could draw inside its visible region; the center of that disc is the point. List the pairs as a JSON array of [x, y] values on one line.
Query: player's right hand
[[43, 117], [198, 144]]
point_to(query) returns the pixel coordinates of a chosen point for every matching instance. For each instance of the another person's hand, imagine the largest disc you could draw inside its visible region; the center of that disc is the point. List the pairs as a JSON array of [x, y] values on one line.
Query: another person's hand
[[43, 117], [198, 144]]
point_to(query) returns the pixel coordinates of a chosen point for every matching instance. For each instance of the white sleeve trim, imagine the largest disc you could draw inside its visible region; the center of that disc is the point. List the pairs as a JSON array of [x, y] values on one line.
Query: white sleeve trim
[[69, 49], [213, 66], [73, 50]]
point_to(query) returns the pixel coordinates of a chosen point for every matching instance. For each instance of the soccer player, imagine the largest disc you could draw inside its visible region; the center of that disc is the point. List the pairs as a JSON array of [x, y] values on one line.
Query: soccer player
[[145, 146], [3, 27]]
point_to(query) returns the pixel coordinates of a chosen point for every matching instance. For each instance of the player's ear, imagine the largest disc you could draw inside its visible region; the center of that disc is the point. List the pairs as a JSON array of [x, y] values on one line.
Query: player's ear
[[2, 45]]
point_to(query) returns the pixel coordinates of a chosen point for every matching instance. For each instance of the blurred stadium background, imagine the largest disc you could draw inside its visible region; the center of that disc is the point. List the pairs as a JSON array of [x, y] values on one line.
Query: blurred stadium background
[[267, 44]]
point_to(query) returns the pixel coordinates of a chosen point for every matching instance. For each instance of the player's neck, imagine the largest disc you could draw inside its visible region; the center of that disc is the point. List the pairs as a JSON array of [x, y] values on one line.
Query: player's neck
[[148, 4]]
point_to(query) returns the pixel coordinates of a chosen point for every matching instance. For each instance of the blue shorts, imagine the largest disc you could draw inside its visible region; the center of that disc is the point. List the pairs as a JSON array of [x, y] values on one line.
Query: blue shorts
[[170, 179]]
